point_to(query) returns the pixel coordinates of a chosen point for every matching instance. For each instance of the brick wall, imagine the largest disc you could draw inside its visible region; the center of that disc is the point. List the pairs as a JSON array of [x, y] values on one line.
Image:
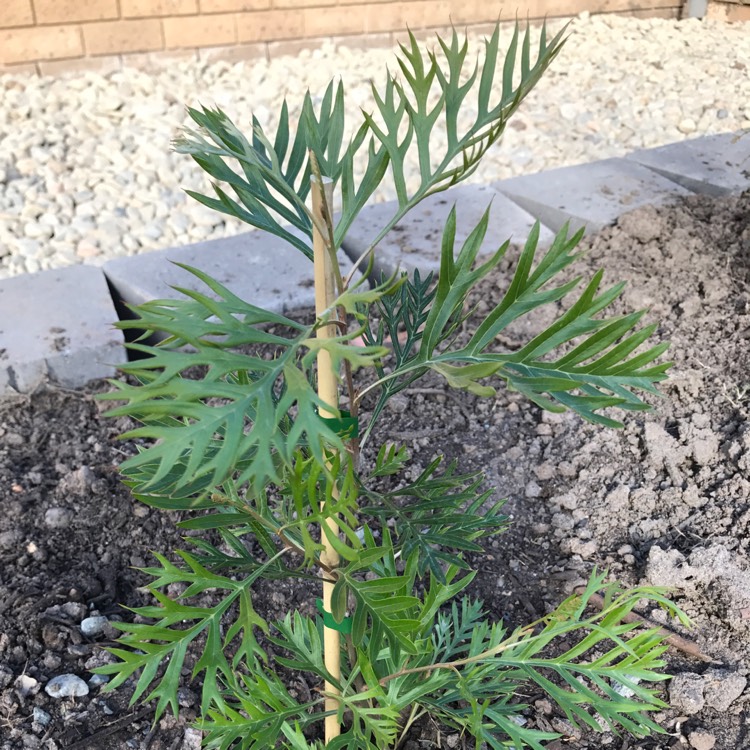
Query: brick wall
[[729, 10], [51, 36]]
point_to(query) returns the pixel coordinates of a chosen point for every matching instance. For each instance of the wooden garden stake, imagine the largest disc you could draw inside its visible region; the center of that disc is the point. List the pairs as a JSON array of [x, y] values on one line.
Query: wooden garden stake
[[325, 295]]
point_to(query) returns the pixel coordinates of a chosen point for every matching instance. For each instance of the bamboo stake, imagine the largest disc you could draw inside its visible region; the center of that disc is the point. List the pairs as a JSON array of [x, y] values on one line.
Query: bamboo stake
[[325, 295]]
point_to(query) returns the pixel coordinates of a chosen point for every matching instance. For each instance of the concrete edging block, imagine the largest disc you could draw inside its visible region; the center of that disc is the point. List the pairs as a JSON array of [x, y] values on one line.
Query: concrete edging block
[[415, 241], [57, 325], [713, 165], [241, 263], [589, 195]]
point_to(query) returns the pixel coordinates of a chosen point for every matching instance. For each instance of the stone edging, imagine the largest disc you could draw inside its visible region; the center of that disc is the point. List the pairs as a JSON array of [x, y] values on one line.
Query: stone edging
[[57, 325]]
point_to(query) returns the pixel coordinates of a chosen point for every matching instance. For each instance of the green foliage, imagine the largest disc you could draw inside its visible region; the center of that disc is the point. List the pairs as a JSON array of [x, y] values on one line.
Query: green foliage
[[160, 642], [231, 436], [437, 515], [237, 416], [598, 372], [271, 179]]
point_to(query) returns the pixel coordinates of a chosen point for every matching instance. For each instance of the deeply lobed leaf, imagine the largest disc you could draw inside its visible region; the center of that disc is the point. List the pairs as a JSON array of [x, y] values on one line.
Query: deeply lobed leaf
[[236, 421], [583, 361]]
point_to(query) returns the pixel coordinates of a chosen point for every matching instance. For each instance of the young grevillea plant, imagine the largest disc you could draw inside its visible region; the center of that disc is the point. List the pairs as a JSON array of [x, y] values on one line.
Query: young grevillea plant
[[264, 447]]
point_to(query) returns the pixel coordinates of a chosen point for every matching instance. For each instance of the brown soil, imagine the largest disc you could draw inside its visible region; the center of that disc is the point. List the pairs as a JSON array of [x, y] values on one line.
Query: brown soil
[[666, 501]]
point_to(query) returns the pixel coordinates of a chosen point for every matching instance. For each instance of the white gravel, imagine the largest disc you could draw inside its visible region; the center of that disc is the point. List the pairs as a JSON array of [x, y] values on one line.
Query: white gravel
[[86, 172]]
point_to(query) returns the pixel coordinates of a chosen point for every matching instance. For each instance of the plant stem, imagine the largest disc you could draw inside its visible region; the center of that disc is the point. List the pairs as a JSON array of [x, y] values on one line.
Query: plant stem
[[416, 713], [325, 295]]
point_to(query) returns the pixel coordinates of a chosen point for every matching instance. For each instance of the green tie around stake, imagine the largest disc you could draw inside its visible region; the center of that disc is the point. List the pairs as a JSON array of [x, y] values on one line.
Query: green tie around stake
[[345, 626], [346, 425]]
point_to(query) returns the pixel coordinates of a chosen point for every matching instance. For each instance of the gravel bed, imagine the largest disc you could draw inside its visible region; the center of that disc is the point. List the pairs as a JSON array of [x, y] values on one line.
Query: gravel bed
[[86, 172]]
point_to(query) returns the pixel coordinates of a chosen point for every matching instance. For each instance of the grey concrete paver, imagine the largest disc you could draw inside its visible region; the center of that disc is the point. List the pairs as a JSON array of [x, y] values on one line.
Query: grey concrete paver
[[415, 241], [58, 326], [589, 195], [713, 165], [257, 267]]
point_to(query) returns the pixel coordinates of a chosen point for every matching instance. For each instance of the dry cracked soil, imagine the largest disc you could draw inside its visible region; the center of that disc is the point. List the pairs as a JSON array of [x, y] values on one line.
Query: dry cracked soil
[[665, 500]]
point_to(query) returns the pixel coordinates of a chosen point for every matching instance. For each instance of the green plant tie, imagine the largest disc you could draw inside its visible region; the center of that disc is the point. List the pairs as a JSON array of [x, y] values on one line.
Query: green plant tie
[[345, 626], [346, 425]]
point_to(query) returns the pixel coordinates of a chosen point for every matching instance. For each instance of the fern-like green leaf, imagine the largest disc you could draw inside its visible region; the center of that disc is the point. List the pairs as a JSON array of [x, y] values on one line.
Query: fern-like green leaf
[[584, 361], [437, 515], [433, 89], [236, 421], [162, 643], [270, 181], [602, 653], [262, 714]]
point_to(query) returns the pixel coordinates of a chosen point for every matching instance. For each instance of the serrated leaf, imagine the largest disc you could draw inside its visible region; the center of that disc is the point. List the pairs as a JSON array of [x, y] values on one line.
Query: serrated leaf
[[161, 642], [237, 420], [602, 367]]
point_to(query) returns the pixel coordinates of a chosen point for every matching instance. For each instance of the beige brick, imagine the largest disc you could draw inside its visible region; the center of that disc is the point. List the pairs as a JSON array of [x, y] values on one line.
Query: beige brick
[[200, 31], [226, 6], [24, 69], [668, 13], [437, 13], [149, 8], [69, 11], [15, 13], [111, 37], [474, 11], [736, 14], [331, 21], [397, 16], [56, 68], [542, 8], [269, 25], [236, 53], [716, 12], [40, 43]]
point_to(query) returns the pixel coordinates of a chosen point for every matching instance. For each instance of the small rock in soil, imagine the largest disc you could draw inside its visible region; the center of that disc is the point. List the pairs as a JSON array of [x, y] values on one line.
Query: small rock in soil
[[52, 662], [686, 692], [9, 539], [722, 688], [191, 740], [545, 471], [533, 489], [26, 685], [66, 686], [70, 610], [41, 717], [6, 676], [186, 698], [398, 404], [58, 518], [93, 626], [78, 482], [98, 680], [702, 740]]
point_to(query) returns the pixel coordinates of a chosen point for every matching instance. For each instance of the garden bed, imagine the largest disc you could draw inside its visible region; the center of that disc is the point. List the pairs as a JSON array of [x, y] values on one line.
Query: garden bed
[[666, 501]]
